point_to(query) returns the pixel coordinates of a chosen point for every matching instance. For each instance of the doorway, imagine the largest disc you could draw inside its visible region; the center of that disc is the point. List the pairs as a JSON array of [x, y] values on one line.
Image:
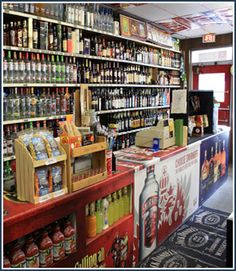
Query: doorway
[[218, 79]]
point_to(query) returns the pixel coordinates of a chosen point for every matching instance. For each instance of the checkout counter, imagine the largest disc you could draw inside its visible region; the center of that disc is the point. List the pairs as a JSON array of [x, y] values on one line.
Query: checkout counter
[[183, 178]]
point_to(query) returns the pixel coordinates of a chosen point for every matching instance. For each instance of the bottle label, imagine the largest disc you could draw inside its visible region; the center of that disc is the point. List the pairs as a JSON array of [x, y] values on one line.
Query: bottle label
[[32, 261], [22, 264], [45, 257], [149, 215], [58, 251], [70, 244]]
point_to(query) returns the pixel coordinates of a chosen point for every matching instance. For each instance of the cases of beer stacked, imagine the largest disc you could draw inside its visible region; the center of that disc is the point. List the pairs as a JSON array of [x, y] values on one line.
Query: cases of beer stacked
[[43, 247], [86, 158], [40, 166], [103, 213]]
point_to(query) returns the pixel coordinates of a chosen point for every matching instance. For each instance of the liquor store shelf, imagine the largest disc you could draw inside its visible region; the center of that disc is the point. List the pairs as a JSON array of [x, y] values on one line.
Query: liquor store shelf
[[13, 85], [131, 109], [12, 48], [9, 122], [27, 15], [133, 131], [9, 158]]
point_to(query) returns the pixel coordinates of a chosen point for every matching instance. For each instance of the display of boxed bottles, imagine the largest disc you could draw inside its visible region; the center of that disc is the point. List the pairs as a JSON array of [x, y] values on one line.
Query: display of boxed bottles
[[43, 247], [40, 167], [86, 165], [103, 213]]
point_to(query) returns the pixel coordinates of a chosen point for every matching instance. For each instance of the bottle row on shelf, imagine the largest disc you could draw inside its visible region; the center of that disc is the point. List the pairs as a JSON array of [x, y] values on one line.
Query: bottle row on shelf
[[36, 68], [118, 98], [124, 141], [54, 37], [90, 15], [22, 103], [43, 247], [127, 121], [103, 213]]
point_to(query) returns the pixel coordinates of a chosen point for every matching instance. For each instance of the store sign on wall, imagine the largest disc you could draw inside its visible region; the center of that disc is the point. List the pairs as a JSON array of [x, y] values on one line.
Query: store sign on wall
[[209, 38]]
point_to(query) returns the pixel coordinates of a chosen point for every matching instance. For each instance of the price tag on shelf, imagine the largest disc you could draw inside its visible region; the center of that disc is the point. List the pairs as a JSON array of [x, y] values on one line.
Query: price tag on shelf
[[44, 198], [51, 161], [59, 193]]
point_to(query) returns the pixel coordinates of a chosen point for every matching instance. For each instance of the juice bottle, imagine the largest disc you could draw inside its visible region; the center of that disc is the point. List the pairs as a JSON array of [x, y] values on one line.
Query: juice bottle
[[6, 262], [126, 201], [99, 217], [45, 250], [58, 240], [31, 252], [17, 256], [110, 211], [91, 221], [69, 233], [121, 204], [116, 206], [105, 205]]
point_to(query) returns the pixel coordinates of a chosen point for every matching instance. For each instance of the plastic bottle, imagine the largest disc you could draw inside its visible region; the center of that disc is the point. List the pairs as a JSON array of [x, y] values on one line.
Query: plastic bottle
[[69, 234], [58, 240], [31, 253], [45, 250], [17, 257]]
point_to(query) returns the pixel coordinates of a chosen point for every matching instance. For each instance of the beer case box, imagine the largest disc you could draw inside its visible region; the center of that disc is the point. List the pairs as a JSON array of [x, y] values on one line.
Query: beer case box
[[25, 173], [98, 161]]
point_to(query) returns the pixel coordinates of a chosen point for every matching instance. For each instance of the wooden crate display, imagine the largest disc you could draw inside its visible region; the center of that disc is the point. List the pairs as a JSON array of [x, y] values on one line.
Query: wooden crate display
[[25, 173], [98, 152]]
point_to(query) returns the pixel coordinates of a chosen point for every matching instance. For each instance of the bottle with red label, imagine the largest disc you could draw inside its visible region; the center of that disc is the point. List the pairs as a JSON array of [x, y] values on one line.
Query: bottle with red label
[[17, 256], [148, 220], [58, 240], [6, 262], [69, 233], [45, 250], [31, 252]]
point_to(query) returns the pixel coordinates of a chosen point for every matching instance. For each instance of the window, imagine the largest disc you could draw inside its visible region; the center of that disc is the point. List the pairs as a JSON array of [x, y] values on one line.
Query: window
[[212, 55], [215, 82]]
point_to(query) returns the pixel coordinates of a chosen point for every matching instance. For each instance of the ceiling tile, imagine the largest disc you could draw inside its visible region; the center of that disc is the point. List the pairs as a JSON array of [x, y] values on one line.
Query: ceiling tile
[[192, 33], [215, 5], [223, 28], [149, 12], [180, 9]]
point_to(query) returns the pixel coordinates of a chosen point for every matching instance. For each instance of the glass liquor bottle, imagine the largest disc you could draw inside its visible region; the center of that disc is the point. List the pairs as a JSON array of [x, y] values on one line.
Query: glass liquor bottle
[[148, 214], [15, 68], [5, 68], [211, 169], [33, 104], [16, 105], [223, 159], [25, 34], [205, 167], [99, 216], [216, 163], [53, 70]]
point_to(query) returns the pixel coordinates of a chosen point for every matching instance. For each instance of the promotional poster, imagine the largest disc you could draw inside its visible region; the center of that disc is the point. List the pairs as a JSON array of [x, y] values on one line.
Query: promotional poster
[[213, 164], [166, 193], [113, 249]]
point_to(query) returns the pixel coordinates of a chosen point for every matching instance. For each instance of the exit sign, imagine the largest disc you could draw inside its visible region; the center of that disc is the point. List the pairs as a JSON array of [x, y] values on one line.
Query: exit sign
[[209, 38]]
